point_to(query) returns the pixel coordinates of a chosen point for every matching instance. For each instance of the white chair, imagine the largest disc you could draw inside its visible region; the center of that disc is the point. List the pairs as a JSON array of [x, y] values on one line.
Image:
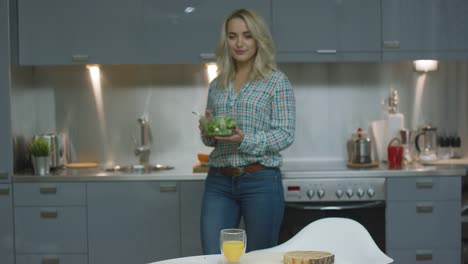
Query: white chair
[[347, 239]]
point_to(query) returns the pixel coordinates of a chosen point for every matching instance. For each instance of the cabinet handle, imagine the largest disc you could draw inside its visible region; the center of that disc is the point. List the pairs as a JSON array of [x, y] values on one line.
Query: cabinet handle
[[326, 51], [5, 191], [420, 208], [3, 175], [422, 255], [50, 260], [391, 44], [424, 184], [49, 214], [207, 56], [168, 188], [48, 190], [80, 57]]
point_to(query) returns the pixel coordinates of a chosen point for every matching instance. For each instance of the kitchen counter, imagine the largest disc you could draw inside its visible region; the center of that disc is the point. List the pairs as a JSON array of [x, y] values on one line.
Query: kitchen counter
[[291, 169]]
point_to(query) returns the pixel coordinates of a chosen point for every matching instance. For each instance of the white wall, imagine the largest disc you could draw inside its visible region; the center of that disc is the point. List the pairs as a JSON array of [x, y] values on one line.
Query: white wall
[[333, 99]]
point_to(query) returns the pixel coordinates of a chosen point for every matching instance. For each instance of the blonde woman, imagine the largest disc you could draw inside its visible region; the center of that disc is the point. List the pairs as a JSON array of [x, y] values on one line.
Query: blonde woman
[[244, 180]]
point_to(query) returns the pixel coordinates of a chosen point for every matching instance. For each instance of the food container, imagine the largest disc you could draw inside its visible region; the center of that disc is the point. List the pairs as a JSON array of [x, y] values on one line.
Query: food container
[[218, 126]]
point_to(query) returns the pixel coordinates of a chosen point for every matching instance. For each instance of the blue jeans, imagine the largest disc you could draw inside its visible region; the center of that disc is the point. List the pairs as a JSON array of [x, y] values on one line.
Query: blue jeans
[[256, 197]]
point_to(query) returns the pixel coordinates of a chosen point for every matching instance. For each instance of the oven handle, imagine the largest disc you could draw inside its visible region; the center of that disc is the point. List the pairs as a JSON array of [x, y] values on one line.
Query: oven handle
[[360, 205]]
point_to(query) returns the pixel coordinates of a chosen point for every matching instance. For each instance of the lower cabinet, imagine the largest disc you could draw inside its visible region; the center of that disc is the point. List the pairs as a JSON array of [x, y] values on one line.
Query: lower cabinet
[[424, 220], [6, 224], [191, 195], [133, 222], [50, 223]]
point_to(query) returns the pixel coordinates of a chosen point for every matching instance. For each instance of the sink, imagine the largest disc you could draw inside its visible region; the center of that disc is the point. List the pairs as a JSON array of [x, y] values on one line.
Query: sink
[[139, 168]]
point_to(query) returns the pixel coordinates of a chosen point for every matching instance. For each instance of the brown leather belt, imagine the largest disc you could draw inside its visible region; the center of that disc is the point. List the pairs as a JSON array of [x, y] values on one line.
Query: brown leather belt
[[238, 171]]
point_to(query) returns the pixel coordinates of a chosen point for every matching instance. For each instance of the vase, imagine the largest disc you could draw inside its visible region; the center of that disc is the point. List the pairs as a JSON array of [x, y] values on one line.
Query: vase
[[41, 165]]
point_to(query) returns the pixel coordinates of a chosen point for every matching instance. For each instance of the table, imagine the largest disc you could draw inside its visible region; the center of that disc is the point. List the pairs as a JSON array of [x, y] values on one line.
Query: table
[[249, 258]]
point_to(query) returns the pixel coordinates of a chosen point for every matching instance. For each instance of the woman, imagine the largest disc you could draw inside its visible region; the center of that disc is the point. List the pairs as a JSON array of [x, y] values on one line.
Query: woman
[[244, 180]]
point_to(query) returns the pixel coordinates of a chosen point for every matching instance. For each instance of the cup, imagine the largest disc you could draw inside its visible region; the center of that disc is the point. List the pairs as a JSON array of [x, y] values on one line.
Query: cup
[[395, 156], [233, 242]]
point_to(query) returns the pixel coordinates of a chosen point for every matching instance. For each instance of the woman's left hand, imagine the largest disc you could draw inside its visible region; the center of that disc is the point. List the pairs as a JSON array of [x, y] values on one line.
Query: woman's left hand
[[237, 137]]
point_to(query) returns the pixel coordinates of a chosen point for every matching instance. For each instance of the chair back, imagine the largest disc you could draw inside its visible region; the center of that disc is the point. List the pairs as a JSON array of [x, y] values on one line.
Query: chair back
[[347, 239]]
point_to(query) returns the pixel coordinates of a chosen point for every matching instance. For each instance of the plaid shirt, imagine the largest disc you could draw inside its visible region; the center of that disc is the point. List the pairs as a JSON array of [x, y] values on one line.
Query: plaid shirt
[[265, 110]]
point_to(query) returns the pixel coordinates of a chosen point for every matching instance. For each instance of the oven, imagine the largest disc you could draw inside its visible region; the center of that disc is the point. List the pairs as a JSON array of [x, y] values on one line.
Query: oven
[[310, 199]]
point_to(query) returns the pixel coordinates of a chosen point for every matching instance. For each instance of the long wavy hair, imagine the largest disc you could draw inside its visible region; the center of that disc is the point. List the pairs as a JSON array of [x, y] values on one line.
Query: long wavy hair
[[264, 63]]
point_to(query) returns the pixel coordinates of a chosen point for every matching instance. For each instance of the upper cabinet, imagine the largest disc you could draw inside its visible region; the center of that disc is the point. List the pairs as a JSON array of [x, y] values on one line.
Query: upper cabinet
[[424, 29], [123, 31], [188, 31], [85, 31], [327, 30]]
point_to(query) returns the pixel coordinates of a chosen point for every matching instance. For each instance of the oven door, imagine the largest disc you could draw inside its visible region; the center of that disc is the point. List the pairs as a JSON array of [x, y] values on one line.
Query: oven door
[[370, 214]]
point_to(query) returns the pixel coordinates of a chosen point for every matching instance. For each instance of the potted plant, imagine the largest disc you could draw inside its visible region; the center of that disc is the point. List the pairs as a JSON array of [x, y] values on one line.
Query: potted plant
[[40, 156]]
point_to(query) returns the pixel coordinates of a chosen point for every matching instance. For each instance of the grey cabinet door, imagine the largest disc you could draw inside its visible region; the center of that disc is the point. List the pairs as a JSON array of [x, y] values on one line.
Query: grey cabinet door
[[6, 155], [191, 195], [173, 36], [424, 29], [87, 31], [133, 222], [6, 225], [326, 30]]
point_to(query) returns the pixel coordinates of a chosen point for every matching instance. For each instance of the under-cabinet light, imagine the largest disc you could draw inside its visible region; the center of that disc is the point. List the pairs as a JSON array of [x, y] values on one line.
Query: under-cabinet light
[[211, 70], [425, 65]]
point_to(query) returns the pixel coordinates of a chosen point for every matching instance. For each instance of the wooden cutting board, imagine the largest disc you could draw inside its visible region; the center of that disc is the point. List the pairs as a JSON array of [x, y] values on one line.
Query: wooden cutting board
[[447, 162], [81, 165]]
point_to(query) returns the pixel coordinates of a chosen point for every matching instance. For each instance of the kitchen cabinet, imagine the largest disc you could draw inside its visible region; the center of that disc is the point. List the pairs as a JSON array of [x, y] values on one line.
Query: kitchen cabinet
[[133, 222], [6, 225], [424, 29], [191, 195], [325, 30], [6, 151], [86, 31], [173, 36], [424, 219], [50, 222], [7, 253]]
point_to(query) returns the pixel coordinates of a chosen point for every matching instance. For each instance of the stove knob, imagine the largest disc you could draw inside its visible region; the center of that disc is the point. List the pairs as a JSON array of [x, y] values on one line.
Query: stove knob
[[349, 193], [360, 193], [339, 193], [370, 192], [321, 193], [310, 194]]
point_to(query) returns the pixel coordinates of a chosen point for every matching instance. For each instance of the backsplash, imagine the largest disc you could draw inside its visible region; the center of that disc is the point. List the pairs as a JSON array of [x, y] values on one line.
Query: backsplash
[[333, 99]]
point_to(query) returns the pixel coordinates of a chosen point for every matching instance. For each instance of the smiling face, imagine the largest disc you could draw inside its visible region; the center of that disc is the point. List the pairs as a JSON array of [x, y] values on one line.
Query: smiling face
[[242, 46]]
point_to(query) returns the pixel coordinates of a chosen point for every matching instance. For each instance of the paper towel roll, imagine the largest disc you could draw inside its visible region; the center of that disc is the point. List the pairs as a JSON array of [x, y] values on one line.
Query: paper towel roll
[[395, 123], [377, 132]]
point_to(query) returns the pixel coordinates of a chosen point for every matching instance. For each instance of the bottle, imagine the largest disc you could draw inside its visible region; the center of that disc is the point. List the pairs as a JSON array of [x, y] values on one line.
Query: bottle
[[395, 120]]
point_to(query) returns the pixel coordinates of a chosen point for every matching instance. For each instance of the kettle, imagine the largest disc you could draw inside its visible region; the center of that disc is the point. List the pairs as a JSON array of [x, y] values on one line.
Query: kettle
[[428, 152]]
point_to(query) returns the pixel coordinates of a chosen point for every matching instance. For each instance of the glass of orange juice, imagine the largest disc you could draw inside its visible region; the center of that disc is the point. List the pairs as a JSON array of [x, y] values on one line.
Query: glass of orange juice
[[233, 242]]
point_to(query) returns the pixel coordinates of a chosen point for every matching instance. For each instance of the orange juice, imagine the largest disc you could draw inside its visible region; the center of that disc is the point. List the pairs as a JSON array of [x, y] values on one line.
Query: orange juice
[[233, 250]]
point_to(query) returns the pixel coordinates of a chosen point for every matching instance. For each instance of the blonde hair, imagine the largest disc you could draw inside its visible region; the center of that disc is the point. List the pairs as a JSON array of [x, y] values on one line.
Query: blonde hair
[[264, 62]]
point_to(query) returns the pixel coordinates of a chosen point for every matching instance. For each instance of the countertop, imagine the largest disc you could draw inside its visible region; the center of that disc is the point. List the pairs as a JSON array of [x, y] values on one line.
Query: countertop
[[291, 169]]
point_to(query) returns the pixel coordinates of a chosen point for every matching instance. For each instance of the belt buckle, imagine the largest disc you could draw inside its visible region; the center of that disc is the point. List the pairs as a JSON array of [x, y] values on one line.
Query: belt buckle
[[239, 170]]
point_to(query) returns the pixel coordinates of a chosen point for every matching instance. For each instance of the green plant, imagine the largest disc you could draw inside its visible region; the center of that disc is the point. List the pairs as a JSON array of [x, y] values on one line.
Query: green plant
[[39, 147]]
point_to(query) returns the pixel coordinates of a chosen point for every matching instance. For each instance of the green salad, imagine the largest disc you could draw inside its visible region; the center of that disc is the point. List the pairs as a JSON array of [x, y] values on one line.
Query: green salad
[[219, 126]]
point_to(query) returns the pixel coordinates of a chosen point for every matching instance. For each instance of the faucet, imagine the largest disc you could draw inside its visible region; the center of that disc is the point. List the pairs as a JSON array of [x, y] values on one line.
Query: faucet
[[144, 150]]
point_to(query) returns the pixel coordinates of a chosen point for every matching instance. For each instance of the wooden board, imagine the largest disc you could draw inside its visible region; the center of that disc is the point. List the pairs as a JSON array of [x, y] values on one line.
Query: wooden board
[[308, 257], [373, 164], [446, 162], [200, 168], [81, 165]]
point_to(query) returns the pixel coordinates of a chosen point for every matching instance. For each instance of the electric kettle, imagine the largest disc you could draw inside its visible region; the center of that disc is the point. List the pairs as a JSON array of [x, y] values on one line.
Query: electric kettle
[[428, 152]]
